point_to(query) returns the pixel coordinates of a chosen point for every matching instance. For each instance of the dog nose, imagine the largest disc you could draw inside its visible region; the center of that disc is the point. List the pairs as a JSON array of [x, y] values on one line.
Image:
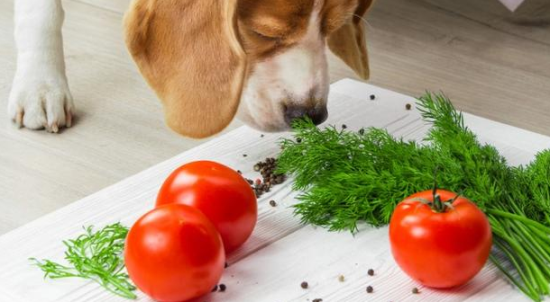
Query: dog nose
[[317, 115]]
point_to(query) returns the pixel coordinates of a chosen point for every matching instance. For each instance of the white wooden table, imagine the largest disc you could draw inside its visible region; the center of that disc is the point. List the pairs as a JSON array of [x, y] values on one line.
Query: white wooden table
[[281, 253]]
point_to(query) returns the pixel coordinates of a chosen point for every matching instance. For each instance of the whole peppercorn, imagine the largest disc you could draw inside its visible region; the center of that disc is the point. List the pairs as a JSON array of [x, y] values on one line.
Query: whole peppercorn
[[370, 272], [304, 285], [273, 203], [223, 287], [344, 126], [267, 170], [415, 290], [369, 289], [408, 106], [372, 97]]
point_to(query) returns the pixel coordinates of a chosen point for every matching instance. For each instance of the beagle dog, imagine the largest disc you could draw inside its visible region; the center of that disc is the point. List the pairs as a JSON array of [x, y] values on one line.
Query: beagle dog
[[208, 61]]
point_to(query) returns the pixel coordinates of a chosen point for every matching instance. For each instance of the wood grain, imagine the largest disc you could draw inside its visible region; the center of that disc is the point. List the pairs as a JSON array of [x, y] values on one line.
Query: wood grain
[[281, 253], [492, 63]]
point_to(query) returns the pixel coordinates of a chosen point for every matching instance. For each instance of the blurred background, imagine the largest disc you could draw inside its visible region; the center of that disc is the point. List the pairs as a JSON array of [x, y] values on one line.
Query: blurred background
[[490, 61]]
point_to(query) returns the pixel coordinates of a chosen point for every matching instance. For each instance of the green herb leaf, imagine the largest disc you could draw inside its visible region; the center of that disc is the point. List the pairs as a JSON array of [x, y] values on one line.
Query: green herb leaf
[[96, 256]]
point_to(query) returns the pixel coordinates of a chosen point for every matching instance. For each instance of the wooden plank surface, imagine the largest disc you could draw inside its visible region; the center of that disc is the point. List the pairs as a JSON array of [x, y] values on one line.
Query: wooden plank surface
[[281, 253], [492, 63]]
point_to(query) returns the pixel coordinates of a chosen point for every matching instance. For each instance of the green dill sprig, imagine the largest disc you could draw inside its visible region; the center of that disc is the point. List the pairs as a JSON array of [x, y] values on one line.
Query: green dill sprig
[[350, 177], [94, 255]]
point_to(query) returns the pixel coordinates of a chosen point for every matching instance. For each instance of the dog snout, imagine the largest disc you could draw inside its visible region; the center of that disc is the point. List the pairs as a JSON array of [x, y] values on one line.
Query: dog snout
[[317, 114]]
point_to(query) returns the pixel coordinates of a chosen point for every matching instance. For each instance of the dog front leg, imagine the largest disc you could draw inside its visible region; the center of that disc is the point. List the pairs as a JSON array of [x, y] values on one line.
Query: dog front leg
[[40, 96]]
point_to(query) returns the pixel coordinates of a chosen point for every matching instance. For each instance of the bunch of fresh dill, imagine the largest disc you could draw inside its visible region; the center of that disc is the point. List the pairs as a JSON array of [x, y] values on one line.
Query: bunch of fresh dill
[[347, 177], [95, 255]]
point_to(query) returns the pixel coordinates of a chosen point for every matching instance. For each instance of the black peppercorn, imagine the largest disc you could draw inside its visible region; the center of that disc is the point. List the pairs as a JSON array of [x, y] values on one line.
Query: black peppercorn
[[344, 126], [304, 285], [361, 131], [370, 272], [369, 289], [269, 178], [415, 290], [223, 287], [272, 203], [408, 106], [372, 97]]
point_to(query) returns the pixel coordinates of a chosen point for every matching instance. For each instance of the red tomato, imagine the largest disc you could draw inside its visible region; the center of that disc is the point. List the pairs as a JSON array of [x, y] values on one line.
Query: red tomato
[[440, 250], [222, 194], [174, 253]]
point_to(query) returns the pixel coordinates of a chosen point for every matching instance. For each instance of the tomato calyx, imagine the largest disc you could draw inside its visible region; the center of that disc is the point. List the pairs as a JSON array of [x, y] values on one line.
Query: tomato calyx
[[438, 205]]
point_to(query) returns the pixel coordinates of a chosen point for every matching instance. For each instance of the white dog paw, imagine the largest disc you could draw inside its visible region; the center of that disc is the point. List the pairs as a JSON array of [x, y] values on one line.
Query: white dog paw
[[44, 103]]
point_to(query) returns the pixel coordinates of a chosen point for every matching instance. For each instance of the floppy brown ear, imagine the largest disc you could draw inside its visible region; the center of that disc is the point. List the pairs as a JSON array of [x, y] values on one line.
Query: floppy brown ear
[[189, 53], [349, 42]]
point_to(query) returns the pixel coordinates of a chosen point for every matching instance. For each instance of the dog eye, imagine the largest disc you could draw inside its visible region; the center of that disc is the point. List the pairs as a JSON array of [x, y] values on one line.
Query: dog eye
[[265, 37]]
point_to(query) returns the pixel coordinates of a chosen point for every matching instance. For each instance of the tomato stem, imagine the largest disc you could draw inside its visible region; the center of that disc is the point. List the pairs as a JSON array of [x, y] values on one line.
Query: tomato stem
[[440, 206], [437, 205]]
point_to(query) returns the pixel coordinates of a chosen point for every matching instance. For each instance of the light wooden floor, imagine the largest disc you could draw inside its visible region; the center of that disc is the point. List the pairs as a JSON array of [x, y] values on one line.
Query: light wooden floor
[[492, 63]]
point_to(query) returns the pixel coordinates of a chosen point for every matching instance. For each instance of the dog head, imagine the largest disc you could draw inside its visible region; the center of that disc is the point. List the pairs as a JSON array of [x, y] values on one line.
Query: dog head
[[208, 60]]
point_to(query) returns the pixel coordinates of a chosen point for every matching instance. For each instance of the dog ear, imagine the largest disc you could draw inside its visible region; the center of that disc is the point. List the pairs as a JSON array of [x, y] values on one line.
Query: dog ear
[[349, 42], [189, 53]]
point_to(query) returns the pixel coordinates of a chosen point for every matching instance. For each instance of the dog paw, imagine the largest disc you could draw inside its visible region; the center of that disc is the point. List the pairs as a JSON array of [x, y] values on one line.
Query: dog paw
[[41, 103]]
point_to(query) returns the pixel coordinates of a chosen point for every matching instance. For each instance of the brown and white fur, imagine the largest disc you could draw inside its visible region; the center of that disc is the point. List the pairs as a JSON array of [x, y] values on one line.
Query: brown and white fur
[[208, 60]]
